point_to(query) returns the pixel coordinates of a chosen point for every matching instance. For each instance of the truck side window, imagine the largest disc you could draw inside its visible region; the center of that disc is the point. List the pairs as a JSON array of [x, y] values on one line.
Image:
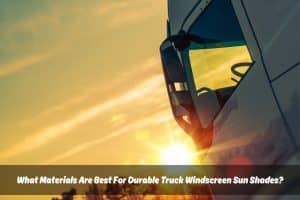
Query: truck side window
[[212, 67], [220, 61]]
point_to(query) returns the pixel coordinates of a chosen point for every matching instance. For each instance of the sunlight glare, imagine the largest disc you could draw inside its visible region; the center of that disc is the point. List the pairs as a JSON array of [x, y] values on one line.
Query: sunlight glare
[[178, 154]]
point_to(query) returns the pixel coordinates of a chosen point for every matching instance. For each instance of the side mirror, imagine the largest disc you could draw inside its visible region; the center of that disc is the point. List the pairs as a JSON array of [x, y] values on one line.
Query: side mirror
[[179, 95], [181, 101]]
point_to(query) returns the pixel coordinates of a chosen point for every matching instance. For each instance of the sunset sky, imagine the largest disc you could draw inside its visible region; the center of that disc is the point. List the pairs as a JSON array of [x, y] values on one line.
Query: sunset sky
[[81, 82]]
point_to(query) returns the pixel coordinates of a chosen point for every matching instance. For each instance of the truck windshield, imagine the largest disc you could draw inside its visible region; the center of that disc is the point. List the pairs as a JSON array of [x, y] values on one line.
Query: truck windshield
[[219, 62]]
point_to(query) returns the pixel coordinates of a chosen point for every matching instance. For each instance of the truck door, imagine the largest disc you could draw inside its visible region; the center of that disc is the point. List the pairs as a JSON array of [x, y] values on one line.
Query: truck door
[[276, 29]]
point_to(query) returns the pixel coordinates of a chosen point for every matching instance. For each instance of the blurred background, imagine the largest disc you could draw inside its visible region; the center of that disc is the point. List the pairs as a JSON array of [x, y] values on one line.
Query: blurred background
[[81, 83]]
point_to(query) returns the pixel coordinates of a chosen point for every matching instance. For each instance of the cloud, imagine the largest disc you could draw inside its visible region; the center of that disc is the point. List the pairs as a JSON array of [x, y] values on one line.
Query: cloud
[[32, 23], [109, 7], [130, 17], [116, 13], [149, 66], [22, 63], [59, 129], [150, 120], [127, 12]]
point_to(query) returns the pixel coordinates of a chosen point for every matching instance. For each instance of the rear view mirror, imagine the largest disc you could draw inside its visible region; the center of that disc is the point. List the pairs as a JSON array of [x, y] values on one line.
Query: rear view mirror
[[178, 91], [180, 96]]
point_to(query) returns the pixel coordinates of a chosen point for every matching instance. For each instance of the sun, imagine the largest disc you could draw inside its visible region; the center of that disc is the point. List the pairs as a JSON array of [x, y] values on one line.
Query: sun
[[178, 153]]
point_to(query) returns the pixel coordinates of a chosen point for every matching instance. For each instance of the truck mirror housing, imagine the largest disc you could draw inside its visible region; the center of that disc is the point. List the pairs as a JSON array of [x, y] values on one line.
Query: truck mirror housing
[[178, 91]]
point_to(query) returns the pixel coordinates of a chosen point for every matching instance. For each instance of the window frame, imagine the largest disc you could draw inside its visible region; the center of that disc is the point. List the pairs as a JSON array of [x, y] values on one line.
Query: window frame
[[184, 54]]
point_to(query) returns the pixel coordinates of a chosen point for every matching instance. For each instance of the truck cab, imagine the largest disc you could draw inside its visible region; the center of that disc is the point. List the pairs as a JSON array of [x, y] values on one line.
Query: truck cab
[[232, 70]]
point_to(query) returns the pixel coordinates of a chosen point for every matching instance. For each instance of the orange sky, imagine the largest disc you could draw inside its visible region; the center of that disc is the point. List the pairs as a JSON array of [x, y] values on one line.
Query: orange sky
[[82, 83]]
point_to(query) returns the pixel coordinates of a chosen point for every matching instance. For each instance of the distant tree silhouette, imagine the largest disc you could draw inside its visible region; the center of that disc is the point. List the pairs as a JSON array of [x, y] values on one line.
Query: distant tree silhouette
[[114, 191], [94, 193], [69, 195], [131, 192]]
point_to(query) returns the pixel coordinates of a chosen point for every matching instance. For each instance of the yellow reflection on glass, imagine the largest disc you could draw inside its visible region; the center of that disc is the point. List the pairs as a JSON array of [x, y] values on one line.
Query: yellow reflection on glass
[[212, 67]]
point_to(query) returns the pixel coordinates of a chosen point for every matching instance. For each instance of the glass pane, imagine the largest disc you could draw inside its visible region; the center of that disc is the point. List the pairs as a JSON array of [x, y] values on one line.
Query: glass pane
[[218, 23], [212, 67]]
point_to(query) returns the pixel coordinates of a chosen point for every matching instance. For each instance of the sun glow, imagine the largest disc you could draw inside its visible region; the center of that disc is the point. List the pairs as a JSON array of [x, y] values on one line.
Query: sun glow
[[178, 153]]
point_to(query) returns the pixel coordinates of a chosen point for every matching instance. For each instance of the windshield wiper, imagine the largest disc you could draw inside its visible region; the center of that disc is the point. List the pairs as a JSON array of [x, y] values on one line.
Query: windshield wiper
[[183, 40]]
